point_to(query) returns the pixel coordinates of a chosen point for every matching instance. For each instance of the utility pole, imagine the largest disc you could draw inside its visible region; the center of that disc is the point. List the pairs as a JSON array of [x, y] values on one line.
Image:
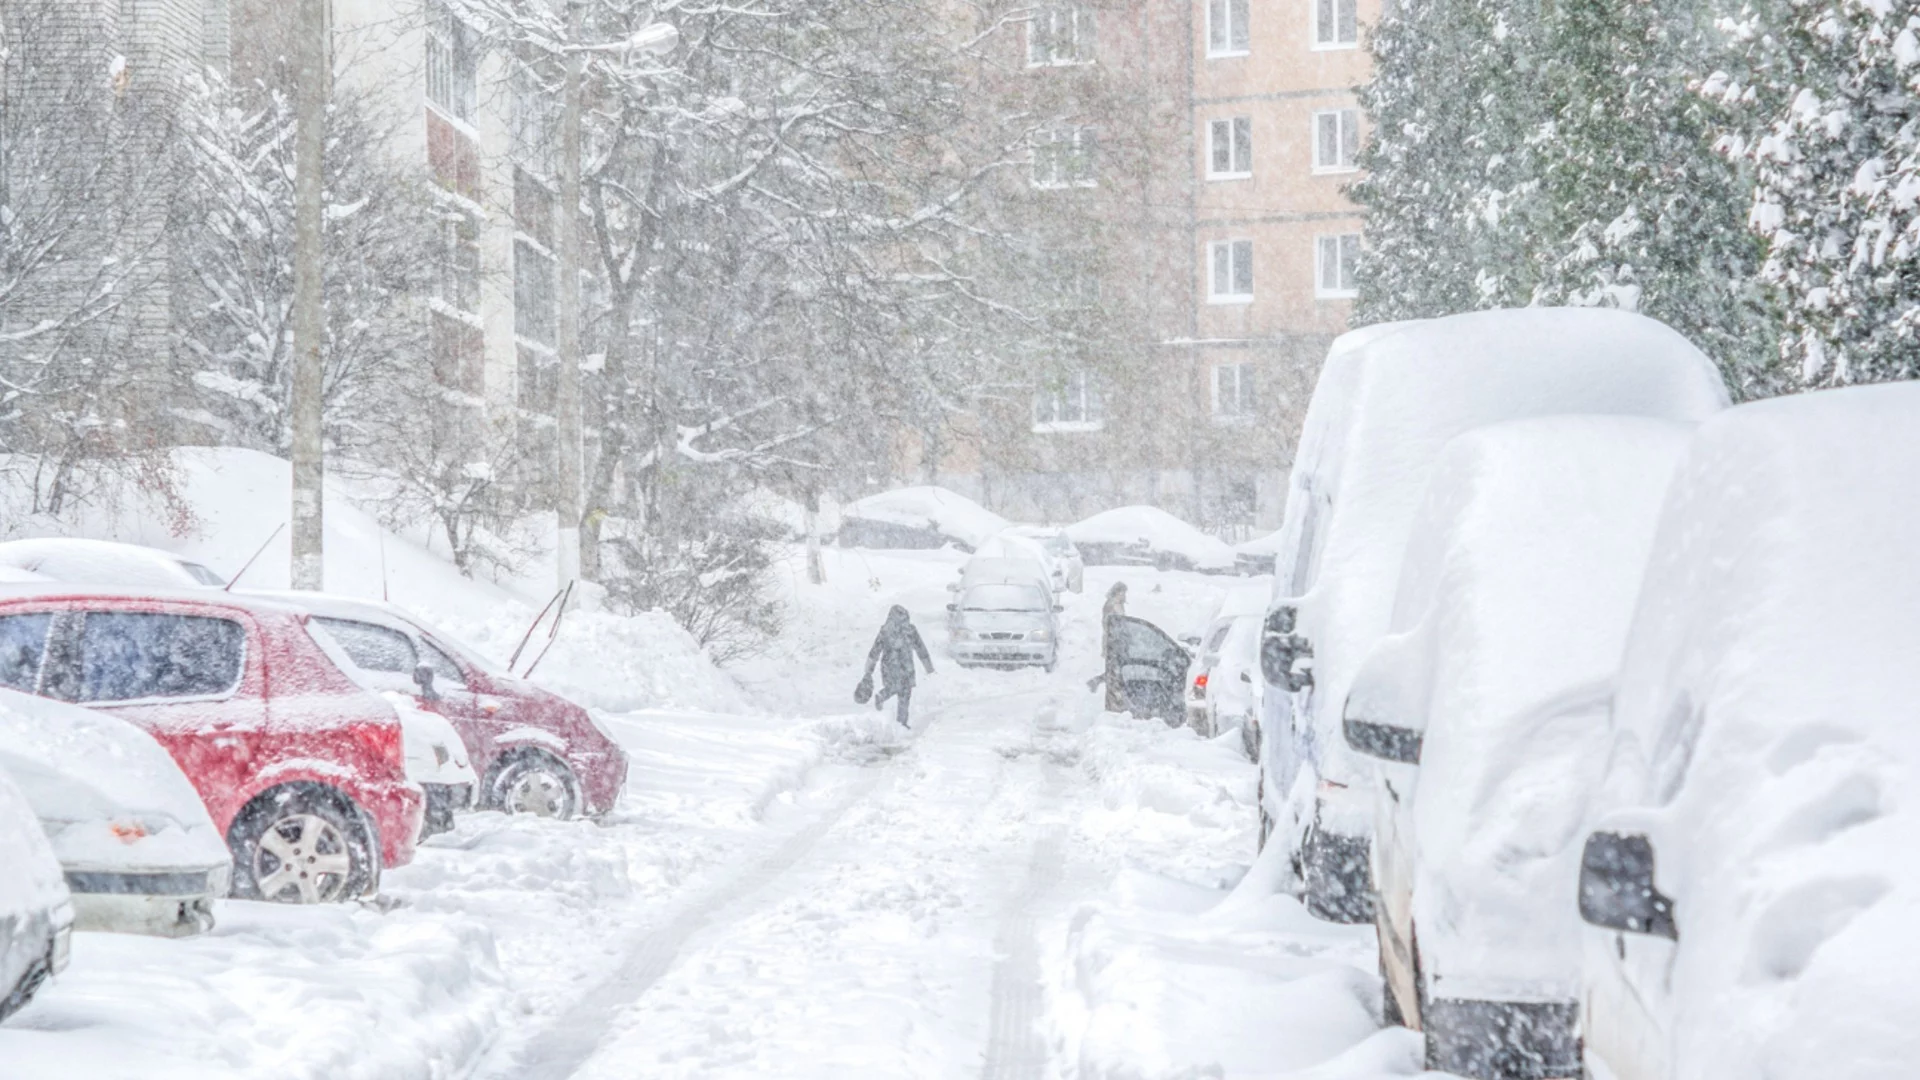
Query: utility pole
[[309, 265], [567, 222]]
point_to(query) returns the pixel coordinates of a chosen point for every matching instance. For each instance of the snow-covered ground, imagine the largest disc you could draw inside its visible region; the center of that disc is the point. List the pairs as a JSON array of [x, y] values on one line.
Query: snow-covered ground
[[792, 886]]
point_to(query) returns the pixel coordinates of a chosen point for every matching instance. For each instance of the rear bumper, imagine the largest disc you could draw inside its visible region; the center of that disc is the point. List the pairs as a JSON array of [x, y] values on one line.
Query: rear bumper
[[1503, 1040]]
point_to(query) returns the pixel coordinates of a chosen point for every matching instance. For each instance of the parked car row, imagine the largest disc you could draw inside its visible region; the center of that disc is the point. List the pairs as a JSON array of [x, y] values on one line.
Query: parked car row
[[1592, 695], [171, 745]]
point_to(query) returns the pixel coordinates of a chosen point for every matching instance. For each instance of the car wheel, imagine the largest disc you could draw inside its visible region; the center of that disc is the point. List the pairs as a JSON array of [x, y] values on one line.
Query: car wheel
[[536, 783], [303, 845]]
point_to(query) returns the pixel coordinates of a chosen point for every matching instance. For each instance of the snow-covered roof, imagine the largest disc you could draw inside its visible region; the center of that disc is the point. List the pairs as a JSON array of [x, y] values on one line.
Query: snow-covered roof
[[1766, 707], [108, 795], [101, 562], [947, 512], [1159, 530], [1397, 401], [1519, 581]]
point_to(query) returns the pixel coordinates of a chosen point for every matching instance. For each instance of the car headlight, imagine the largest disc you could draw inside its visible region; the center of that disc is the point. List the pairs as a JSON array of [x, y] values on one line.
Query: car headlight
[[1040, 635], [960, 634]]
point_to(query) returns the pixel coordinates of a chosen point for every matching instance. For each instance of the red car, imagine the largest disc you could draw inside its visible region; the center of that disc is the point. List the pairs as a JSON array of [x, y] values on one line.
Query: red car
[[535, 752], [302, 770]]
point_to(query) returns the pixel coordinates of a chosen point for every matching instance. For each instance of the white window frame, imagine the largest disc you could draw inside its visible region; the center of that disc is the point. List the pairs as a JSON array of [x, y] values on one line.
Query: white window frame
[[1076, 406], [1223, 279], [1239, 131], [1327, 37], [1346, 131], [1234, 390], [1064, 158], [453, 64], [1052, 25], [1227, 36], [1344, 249]]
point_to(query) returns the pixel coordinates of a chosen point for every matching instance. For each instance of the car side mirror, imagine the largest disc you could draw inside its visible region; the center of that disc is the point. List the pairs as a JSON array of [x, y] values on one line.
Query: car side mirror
[[423, 678], [1617, 890], [1384, 741], [1191, 639]]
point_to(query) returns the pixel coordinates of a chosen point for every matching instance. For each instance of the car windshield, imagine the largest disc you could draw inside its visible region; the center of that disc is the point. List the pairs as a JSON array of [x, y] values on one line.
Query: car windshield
[[1005, 598]]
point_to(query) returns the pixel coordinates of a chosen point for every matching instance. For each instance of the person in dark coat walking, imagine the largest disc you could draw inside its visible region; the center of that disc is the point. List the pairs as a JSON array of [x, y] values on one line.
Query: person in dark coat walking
[[894, 650], [1114, 609]]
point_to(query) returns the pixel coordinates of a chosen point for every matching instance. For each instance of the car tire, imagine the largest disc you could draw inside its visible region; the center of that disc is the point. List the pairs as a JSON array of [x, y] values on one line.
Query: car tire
[[303, 844], [535, 782]]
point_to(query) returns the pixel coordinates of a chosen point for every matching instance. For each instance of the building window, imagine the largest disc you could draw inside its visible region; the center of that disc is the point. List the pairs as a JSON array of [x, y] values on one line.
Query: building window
[[1073, 405], [459, 259], [1230, 149], [1060, 35], [452, 63], [1227, 27], [1230, 280], [535, 318], [1063, 158], [534, 119], [1233, 391], [1335, 258], [539, 388], [1336, 24], [1336, 140]]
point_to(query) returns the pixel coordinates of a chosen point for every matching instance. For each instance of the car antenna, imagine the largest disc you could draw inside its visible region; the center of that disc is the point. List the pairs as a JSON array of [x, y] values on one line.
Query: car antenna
[[256, 557]]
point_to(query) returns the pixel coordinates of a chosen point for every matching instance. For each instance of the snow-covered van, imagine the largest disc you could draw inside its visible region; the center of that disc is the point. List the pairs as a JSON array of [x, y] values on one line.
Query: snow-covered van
[[1388, 399], [1486, 705], [36, 915], [1749, 876], [1003, 615], [139, 851]]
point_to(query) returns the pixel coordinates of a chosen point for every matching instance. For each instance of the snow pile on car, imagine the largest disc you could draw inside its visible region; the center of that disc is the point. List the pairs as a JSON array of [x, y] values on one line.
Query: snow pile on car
[[1156, 530], [102, 786], [1518, 587], [930, 509], [1765, 716]]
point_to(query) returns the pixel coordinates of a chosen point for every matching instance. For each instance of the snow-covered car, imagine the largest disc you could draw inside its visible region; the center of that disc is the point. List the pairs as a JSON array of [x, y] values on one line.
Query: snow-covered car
[[1069, 566], [1221, 681], [1387, 400], [138, 850], [1008, 545], [1149, 536], [534, 752], [1003, 615], [1255, 557], [918, 517], [1486, 705], [1749, 877], [302, 770], [36, 914], [104, 562], [437, 760]]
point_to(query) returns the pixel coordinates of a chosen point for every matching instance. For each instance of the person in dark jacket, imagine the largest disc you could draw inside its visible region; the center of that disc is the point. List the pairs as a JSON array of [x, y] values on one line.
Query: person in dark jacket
[[894, 650]]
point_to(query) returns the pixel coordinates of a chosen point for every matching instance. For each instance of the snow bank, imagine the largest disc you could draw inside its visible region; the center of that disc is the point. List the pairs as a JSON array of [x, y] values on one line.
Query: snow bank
[[1159, 531], [1765, 721], [933, 508]]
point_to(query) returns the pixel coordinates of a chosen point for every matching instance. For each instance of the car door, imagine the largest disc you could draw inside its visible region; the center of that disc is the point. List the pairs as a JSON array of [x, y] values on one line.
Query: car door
[[1152, 669]]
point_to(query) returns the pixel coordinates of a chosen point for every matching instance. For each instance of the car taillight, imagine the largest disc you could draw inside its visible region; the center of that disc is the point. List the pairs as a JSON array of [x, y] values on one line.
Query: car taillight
[[1200, 681], [382, 743]]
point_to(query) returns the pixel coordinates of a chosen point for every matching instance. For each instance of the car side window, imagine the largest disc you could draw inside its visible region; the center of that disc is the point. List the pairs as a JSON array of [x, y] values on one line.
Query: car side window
[[372, 647], [444, 669], [133, 655], [23, 643], [1142, 642]]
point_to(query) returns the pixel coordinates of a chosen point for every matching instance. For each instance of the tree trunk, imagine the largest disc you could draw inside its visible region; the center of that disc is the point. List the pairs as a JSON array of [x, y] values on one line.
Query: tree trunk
[[816, 567], [309, 468], [567, 336]]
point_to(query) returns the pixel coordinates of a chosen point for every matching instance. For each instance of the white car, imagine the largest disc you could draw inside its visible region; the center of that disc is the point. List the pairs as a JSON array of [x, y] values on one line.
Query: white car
[[1486, 703], [1003, 615], [1223, 678], [1749, 878], [36, 914], [104, 562], [1071, 567], [1385, 404], [132, 836], [1149, 536], [918, 517]]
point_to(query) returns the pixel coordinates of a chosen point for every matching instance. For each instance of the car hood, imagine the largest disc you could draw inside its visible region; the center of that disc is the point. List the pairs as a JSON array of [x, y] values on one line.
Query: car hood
[[105, 792]]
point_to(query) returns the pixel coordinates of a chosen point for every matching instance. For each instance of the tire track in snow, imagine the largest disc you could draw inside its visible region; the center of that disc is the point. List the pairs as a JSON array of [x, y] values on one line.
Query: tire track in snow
[[560, 1049], [1016, 1050]]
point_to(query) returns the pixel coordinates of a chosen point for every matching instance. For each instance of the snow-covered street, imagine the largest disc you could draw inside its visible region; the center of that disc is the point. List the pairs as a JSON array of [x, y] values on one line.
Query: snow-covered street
[[1021, 887]]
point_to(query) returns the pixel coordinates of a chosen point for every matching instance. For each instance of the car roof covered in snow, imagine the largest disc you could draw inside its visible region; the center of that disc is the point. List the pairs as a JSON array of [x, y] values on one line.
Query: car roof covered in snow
[[1765, 712], [947, 512], [1407, 393], [200, 596], [998, 571], [101, 562], [1517, 589], [84, 772], [1160, 530]]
